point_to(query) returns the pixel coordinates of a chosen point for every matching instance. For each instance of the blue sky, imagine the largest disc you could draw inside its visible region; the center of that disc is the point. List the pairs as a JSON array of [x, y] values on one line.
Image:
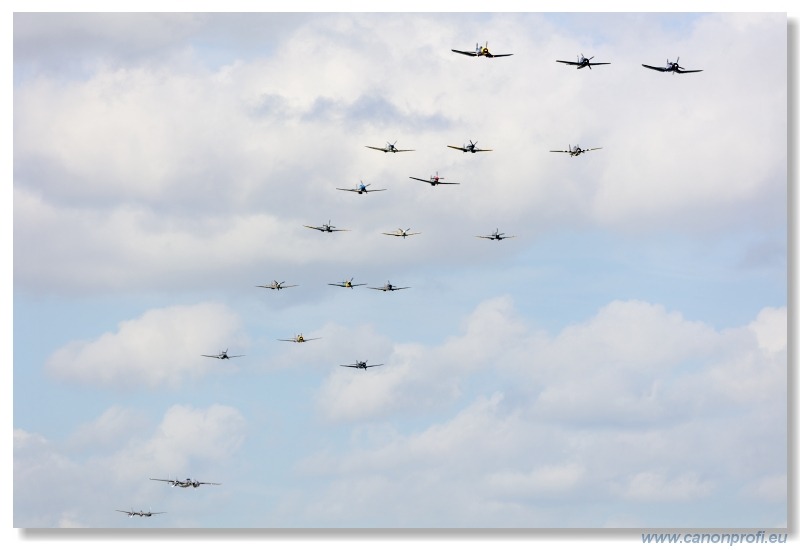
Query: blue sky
[[620, 363]]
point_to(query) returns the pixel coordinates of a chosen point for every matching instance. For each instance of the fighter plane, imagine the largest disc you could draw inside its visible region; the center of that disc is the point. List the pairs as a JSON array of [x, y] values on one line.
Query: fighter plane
[[401, 233], [185, 483], [361, 365], [140, 513], [582, 62], [347, 284], [437, 179], [672, 67], [482, 52], [220, 355], [575, 151], [362, 188], [496, 236], [468, 148], [299, 339], [390, 148], [388, 286], [325, 227], [275, 285]]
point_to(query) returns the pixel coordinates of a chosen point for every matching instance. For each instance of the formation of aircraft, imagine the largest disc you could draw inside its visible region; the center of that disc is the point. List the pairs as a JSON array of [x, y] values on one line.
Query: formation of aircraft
[[471, 148], [361, 365], [482, 51], [390, 148], [275, 285], [361, 189], [576, 151], [401, 233], [582, 62], [299, 339], [347, 284], [220, 355], [496, 236], [672, 67], [188, 482], [388, 286], [325, 227], [140, 513], [437, 179]]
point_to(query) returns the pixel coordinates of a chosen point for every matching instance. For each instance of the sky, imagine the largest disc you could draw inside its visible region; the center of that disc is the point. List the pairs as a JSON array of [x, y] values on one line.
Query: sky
[[620, 363]]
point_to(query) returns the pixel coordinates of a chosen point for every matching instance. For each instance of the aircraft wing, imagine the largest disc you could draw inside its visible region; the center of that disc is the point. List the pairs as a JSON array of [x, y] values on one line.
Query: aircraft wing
[[173, 480], [401, 150], [232, 356], [204, 483], [213, 357], [342, 189], [317, 228], [552, 151], [498, 54], [332, 230], [373, 190], [567, 62], [471, 54], [384, 149], [351, 366], [464, 149], [660, 69], [592, 149], [593, 64], [682, 71], [476, 150]]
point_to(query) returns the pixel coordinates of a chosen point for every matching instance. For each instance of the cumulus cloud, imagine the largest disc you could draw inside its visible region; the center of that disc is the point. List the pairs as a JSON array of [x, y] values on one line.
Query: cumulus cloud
[[161, 347]]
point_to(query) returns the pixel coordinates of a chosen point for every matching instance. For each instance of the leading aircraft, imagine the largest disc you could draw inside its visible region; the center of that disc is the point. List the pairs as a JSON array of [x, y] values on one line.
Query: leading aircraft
[[299, 339], [347, 284], [140, 513], [390, 148], [401, 233], [275, 285], [496, 236], [582, 62], [220, 355], [325, 227], [185, 483], [672, 67], [388, 286], [437, 179], [482, 51], [361, 365], [468, 148], [361, 189], [576, 151]]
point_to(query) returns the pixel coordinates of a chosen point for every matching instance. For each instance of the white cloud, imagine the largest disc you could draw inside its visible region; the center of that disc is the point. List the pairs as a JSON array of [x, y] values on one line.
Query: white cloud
[[162, 347]]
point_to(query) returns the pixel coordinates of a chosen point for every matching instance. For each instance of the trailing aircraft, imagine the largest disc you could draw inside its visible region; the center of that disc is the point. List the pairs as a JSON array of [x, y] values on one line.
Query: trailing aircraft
[[471, 148], [275, 285], [347, 284], [185, 483], [582, 62], [299, 339], [390, 148], [672, 67], [140, 513], [361, 189], [437, 179], [401, 233], [325, 227], [361, 365], [576, 151], [482, 51], [220, 355], [388, 286], [496, 236]]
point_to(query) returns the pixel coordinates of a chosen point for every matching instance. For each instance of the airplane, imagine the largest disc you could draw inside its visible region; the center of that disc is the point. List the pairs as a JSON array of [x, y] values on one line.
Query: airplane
[[582, 62], [390, 148], [220, 355], [185, 483], [275, 285], [672, 67], [361, 365], [575, 151], [496, 236], [437, 179], [401, 233], [468, 149], [299, 339], [140, 513], [325, 227], [347, 284], [362, 188], [388, 286], [482, 52]]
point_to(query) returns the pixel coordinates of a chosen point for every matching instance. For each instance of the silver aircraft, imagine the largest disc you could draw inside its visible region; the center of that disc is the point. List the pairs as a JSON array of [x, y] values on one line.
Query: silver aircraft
[[188, 482], [220, 355], [390, 148], [576, 151], [361, 365]]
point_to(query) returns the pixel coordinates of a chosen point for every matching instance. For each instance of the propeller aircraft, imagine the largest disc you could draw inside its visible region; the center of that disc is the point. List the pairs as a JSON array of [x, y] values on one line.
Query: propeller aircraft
[[325, 227], [185, 483], [672, 67], [220, 355], [361, 365], [496, 236], [437, 179], [471, 148], [275, 285], [401, 233], [140, 513], [482, 51], [361, 189], [388, 286], [299, 339], [576, 151], [347, 284], [582, 62], [390, 148]]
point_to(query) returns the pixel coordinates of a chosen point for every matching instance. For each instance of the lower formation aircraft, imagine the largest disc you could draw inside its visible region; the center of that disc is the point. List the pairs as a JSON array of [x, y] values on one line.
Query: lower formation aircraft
[[672, 67], [470, 148], [437, 179], [361, 365], [482, 51], [325, 227], [188, 482], [140, 513], [496, 236], [575, 151], [401, 233], [390, 148], [388, 286], [220, 355], [361, 189], [299, 339], [275, 285], [347, 284]]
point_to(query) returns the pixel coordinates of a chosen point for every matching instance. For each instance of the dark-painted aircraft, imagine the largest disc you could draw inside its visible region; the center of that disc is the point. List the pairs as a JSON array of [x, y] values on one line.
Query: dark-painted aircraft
[[220, 355], [325, 227], [390, 148], [576, 151], [361, 189], [582, 62], [140, 513], [471, 148], [672, 67], [299, 339], [347, 284], [496, 236], [482, 51], [275, 285], [401, 233], [361, 365], [388, 286], [188, 482], [437, 179]]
